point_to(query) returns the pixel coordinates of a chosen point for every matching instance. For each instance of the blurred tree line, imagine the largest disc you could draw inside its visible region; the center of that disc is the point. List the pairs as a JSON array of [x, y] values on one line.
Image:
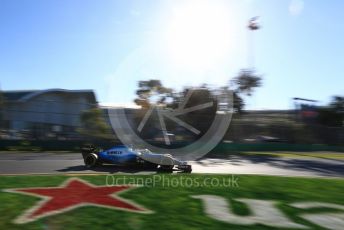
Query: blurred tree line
[[153, 92]]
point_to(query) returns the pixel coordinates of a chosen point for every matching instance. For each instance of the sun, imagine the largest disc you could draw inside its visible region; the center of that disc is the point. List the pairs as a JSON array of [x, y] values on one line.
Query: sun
[[199, 33]]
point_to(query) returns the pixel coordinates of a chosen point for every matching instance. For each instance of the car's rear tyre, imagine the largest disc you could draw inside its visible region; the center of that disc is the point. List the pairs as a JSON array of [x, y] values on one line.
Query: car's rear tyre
[[91, 160]]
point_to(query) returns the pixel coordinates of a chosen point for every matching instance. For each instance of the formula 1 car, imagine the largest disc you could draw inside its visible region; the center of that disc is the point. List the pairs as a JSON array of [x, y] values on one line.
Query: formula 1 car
[[126, 156]]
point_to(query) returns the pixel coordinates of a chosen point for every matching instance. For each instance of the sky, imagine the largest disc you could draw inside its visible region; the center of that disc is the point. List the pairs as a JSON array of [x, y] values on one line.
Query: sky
[[109, 46]]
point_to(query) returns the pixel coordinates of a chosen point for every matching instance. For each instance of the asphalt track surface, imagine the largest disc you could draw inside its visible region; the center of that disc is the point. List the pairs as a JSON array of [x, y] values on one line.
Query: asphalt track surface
[[72, 163]]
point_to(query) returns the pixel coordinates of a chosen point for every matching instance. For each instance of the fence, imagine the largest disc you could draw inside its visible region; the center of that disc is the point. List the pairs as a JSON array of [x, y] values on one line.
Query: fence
[[74, 146]]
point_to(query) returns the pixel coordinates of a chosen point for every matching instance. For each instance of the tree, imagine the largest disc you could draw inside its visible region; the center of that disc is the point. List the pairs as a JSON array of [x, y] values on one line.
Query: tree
[[333, 114], [337, 104], [244, 84], [238, 103], [93, 124], [2, 100], [203, 118], [152, 92], [2, 104], [246, 81]]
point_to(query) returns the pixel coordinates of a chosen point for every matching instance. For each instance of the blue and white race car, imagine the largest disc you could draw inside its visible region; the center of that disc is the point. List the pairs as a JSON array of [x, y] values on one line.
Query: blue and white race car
[[126, 156]]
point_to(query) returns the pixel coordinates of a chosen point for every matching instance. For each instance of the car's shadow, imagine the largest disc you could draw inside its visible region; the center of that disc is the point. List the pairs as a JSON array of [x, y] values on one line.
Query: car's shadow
[[113, 169]]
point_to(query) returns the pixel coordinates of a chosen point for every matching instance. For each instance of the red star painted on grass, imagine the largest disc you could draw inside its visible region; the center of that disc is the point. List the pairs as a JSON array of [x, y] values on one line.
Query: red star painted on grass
[[72, 194]]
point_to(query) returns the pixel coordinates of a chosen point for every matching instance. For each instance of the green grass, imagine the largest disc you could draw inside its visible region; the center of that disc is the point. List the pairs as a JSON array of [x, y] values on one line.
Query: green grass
[[173, 207]]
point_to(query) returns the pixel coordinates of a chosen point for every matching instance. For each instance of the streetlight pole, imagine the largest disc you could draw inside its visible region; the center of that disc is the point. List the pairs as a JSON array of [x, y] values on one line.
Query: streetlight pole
[[252, 26]]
